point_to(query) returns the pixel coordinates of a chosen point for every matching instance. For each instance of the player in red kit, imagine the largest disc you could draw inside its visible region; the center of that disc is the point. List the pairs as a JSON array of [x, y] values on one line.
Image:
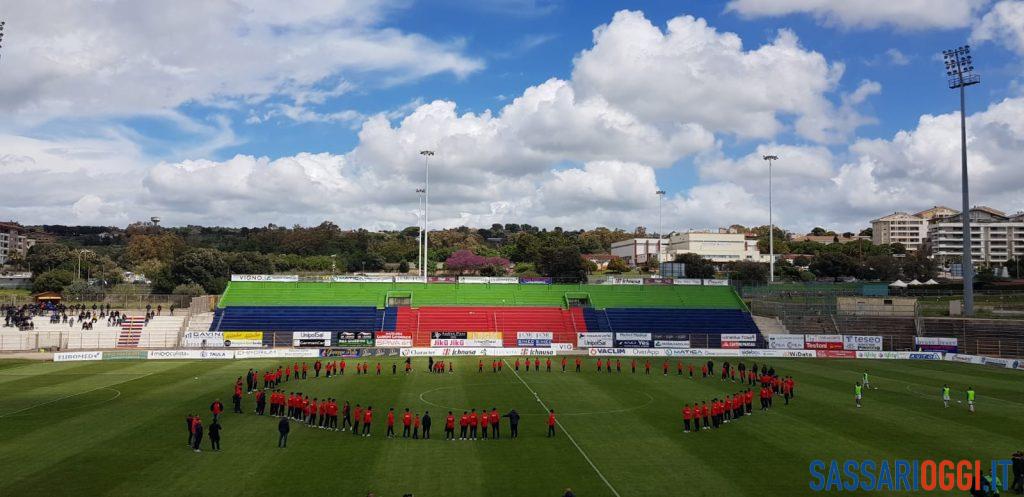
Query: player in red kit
[[449, 427], [391, 423], [551, 423], [474, 421], [357, 418], [406, 423], [495, 422], [367, 419], [687, 416]]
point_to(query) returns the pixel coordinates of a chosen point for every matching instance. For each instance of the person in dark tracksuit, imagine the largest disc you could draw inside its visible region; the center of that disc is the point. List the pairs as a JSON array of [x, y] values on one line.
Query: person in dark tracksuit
[[283, 428], [426, 425], [513, 423], [197, 436], [215, 436], [1018, 473]]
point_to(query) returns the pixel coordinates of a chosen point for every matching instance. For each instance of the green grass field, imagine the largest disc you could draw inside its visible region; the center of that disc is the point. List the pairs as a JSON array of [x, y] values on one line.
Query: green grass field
[[117, 428]]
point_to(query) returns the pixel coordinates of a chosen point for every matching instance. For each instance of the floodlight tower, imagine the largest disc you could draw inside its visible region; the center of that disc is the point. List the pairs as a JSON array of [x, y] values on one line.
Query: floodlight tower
[[960, 74], [661, 199], [419, 239], [771, 222], [427, 154]]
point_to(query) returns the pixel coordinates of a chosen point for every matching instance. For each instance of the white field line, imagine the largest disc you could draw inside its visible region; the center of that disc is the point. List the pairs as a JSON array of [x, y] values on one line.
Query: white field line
[[567, 434], [58, 399]]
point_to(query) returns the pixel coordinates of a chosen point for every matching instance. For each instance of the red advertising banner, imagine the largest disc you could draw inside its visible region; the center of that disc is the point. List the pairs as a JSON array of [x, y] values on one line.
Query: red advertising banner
[[823, 342], [837, 354]]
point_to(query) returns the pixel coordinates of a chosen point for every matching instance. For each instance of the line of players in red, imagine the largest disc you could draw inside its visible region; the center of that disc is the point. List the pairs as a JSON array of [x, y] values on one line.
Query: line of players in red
[[326, 413]]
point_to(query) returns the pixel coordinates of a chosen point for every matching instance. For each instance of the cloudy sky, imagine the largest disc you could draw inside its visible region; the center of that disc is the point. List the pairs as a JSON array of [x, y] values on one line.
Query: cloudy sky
[[548, 112]]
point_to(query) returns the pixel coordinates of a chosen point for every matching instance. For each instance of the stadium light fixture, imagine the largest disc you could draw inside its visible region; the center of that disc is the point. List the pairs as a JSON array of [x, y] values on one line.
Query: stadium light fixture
[[959, 75], [427, 154], [661, 198], [80, 252], [771, 221]]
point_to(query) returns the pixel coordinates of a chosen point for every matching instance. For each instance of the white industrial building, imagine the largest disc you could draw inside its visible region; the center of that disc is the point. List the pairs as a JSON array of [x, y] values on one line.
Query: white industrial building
[[723, 245], [636, 251]]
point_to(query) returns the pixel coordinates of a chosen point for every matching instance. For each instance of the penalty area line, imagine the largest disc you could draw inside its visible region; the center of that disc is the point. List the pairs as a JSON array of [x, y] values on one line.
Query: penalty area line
[[567, 434]]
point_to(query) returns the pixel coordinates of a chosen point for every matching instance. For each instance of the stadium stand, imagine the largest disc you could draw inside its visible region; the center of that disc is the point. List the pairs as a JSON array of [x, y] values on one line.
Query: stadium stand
[[991, 337], [417, 309], [423, 295]]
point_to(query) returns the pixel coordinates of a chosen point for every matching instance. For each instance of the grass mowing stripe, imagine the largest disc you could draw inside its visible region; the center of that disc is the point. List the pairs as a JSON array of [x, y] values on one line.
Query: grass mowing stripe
[[58, 399], [560, 425]]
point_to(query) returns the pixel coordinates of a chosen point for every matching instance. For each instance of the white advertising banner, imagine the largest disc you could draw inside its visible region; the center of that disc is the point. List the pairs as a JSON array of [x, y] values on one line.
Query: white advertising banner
[[716, 282], [503, 280], [77, 356], [174, 354], [966, 358], [869, 354], [672, 343], [441, 351], [279, 278], [783, 341], [861, 342], [594, 339], [561, 346], [632, 336], [311, 335], [393, 339], [739, 337], [202, 339], [393, 342], [935, 341], [534, 335], [683, 352], [190, 354], [361, 279], [408, 278], [276, 353], [823, 342], [510, 351], [687, 281]]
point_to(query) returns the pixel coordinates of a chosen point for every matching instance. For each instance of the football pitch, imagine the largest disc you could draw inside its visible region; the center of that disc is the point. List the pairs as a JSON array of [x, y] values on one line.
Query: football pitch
[[118, 428]]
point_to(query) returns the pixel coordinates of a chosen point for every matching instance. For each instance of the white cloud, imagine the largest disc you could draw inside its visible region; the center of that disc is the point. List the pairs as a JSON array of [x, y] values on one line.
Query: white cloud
[[119, 58], [691, 73], [577, 152], [1004, 24], [896, 57], [867, 14]]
